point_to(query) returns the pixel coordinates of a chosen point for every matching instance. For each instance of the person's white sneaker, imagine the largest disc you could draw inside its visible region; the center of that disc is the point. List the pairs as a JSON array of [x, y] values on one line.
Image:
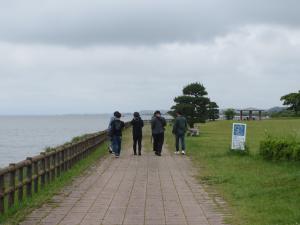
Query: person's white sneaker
[[183, 152], [176, 153]]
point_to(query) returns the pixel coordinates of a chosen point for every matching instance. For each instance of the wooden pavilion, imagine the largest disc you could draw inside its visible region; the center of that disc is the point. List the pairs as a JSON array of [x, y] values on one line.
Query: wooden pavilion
[[251, 112]]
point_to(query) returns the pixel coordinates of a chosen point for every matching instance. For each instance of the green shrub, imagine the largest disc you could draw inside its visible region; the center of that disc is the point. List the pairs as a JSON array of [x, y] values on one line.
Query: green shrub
[[266, 148], [296, 152], [49, 149], [280, 148]]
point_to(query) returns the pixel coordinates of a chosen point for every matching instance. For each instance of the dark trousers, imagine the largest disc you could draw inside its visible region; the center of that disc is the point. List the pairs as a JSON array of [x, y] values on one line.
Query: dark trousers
[[180, 139], [137, 141], [116, 143], [158, 142]]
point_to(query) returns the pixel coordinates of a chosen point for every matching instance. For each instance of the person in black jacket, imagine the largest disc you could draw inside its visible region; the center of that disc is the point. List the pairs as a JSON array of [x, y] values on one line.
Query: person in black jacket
[[158, 124], [137, 132], [116, 133]]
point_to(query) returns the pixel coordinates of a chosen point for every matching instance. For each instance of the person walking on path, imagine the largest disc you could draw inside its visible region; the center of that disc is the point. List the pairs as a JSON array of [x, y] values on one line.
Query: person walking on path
[[116, 133], [137, 132], [110, 144], [179, 130], [158, 124]]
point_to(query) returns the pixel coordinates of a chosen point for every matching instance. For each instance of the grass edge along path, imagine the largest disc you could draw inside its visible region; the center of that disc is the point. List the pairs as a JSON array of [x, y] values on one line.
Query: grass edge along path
[[21, 210], [258, 192]]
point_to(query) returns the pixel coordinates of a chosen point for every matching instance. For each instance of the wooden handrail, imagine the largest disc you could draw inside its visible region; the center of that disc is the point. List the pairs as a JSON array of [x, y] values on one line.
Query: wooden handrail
[[36, 172]]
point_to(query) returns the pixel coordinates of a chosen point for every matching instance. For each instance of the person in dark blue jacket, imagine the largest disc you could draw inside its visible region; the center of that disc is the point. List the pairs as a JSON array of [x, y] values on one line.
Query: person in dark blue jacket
[[117, 127], [110, 145]]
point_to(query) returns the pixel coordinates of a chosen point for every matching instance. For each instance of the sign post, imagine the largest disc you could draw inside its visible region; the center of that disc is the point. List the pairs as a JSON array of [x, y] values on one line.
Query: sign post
[[239, 131]]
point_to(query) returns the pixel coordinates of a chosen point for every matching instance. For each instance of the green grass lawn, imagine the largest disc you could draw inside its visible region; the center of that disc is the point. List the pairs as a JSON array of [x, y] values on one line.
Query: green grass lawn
[[257, 191]]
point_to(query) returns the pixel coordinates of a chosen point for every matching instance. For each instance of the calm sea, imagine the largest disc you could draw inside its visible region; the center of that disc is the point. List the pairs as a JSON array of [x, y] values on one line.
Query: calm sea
[[24, 136]]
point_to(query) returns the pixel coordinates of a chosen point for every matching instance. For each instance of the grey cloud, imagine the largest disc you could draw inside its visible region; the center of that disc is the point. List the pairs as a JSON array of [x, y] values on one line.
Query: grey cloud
[[133, 22], [97, 56], [240, 69]]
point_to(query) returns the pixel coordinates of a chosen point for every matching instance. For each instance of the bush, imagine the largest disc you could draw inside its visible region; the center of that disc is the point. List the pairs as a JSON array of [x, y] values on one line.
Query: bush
[[296, 152], [284, 113], [229, 114], [280, 148]]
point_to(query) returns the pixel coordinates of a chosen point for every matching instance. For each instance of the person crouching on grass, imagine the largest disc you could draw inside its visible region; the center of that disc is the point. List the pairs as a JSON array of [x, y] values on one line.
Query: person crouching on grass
[[179, 130], [117, 127], [137, 132]]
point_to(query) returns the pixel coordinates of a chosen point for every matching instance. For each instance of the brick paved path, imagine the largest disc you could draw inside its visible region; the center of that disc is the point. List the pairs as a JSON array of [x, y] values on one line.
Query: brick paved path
[[132, 190]]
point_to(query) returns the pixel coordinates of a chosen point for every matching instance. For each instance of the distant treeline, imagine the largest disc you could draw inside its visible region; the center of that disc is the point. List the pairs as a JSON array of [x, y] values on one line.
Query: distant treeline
[[283, 113]]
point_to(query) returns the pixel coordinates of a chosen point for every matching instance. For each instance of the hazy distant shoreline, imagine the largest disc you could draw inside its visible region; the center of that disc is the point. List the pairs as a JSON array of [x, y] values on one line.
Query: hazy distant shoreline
[[143, 112]]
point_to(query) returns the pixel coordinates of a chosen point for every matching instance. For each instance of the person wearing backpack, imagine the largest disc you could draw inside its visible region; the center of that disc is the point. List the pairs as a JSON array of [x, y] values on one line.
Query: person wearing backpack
[[117, 127], [110, 145], [158, 124], [179, 130], [137, 132]]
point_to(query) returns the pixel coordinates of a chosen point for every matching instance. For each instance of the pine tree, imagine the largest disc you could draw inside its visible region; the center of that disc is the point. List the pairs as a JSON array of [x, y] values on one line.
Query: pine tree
[[193, 104]]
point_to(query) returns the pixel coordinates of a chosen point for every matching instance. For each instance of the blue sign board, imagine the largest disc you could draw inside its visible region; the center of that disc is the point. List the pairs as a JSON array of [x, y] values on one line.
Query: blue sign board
[[239, 136]]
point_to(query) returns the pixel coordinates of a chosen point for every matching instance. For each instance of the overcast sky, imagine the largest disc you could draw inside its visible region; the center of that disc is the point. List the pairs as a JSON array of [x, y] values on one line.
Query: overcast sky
[[96, 56]]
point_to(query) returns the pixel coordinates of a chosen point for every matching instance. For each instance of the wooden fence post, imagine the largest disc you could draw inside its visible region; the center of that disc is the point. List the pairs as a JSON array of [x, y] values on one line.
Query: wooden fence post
[[36, 177], [65, 151], [69, 154], [65, 157], [88, 149], [2, 194], [43, 168], [52, 166], [47, 170], [83, 151], [29, 178], [73, 153], [77, 152], [11, 185], [50, 162], [20, 184], [58, 163], [62, 167]]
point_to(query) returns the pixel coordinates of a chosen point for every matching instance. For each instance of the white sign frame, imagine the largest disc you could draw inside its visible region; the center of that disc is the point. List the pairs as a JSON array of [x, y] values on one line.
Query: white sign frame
[[239, 139]]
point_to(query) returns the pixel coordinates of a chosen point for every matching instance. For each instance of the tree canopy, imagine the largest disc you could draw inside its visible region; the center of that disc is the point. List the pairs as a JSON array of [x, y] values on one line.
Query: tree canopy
[[213, 111], [292, 100], [195, 105], [229, 114]]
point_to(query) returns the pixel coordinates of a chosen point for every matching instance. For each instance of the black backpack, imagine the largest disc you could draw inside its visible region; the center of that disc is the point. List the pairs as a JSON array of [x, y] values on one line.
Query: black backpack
[[117, 126]]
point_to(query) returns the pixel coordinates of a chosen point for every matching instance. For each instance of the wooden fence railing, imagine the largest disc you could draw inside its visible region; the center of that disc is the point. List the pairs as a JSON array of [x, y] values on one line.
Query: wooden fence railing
[[22, 180]]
